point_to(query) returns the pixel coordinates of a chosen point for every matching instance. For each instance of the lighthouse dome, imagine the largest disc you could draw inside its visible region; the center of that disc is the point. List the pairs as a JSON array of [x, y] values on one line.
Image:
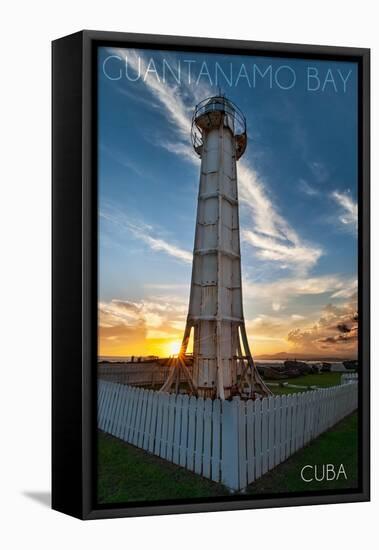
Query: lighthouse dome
[[210, 114]]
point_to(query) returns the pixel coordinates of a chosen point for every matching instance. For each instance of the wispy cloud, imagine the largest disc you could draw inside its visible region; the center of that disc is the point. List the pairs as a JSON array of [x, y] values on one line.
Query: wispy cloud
[[164, 246], [288, 254], [348, 207], [272, 236], [308, 189], [319, 171], [168, 96], [147, 234], [280, 292], [122, 159], [136, 97], [157, 312], [268, 232], [167, 286], [181, 149]]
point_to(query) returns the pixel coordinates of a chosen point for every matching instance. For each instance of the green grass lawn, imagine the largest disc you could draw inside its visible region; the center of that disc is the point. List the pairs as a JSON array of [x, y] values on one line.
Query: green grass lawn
[[283, 390], [336, 446], [321, 380], [128, 474]]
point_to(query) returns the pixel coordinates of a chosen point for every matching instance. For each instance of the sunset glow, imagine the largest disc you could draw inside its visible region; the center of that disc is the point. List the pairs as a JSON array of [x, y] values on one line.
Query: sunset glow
[[174, 347]]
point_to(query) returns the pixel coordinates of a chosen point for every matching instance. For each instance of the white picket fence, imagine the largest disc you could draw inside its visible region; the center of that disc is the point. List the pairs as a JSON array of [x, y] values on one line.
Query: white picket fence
[[232, 442], [349, 377]]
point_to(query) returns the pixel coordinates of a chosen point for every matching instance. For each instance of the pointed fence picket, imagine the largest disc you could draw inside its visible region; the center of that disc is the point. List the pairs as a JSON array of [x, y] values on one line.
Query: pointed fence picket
[[348, 377], [216, 441], [233, 442]]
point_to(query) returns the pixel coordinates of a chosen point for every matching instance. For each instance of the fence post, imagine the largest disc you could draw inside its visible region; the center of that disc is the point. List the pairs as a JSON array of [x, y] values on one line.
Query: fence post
[[229, 432], [228, 441]]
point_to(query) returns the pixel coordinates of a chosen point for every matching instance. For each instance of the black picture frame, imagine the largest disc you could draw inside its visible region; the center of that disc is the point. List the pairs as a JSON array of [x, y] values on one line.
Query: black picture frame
[[74, 271]]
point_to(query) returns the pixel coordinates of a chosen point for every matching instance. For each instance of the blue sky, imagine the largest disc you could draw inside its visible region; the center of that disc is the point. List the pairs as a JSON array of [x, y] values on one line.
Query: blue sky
[[297, 189]]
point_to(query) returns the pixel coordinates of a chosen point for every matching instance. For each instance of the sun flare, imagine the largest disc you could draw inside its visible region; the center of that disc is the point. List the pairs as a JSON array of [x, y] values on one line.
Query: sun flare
[[173, 348]]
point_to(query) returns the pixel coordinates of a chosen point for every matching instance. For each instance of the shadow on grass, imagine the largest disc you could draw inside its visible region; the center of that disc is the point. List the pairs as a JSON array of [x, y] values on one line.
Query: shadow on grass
[[129, 474]]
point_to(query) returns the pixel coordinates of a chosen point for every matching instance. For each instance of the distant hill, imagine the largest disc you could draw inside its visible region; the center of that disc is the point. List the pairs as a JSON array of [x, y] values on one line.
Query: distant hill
[[283, 355]]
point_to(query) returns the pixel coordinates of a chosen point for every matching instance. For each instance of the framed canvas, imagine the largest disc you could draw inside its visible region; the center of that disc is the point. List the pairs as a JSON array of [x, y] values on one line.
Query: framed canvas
[[210, 275]]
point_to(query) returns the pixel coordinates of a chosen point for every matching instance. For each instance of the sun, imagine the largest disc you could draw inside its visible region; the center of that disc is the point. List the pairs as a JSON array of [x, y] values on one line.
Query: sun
[[173, 348]]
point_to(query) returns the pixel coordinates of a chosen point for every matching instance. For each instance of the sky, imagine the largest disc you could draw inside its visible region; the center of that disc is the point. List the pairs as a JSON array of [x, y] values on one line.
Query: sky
[[297, 185]]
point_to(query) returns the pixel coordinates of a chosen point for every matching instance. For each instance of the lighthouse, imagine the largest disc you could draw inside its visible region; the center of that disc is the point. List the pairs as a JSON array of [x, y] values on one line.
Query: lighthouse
[[222, 363]]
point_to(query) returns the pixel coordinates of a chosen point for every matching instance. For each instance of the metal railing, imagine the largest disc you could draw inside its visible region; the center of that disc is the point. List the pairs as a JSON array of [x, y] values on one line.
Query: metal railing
[[211, 105]]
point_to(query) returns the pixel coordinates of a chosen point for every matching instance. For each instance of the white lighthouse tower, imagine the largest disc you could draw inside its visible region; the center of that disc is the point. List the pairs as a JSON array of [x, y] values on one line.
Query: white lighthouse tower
[[222, 363]]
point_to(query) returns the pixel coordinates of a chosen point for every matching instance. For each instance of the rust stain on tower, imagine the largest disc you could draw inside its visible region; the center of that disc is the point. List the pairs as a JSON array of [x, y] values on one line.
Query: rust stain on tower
[[222, 362]]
